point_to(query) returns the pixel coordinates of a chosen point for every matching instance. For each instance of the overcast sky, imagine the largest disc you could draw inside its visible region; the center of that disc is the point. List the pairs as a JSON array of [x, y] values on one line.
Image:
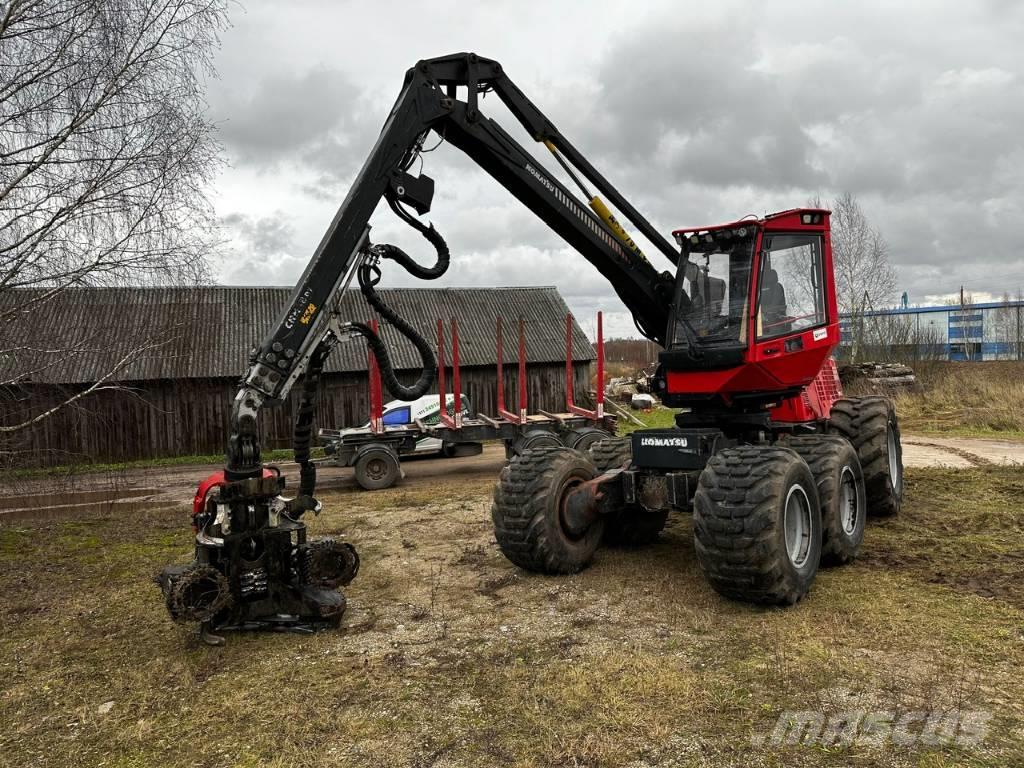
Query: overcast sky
[[698, 114]]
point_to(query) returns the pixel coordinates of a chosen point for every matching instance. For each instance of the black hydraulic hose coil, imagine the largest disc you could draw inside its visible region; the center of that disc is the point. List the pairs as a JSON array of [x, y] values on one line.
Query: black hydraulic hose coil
[[369, 276]]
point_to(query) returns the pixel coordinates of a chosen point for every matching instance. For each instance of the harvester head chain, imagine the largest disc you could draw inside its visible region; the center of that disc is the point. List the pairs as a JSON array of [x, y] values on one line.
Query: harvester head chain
[[198, 593], [331, 563]]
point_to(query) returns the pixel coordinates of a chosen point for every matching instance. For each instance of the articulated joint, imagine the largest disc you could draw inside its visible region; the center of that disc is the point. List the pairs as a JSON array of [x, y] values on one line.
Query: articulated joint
[[243, 454], [586, 502]]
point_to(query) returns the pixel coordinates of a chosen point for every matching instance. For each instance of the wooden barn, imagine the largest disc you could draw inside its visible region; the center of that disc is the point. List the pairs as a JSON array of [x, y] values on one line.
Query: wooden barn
[[178, 354]]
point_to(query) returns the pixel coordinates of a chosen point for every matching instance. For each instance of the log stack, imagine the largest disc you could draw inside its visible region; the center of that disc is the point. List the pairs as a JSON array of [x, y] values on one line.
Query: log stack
[[883, 378]]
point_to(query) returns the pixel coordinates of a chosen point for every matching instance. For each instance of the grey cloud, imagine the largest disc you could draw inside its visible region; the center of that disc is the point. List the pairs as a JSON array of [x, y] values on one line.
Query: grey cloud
[[263, 251], [698, 107], [263, 236], [701, 117], [309, 116]]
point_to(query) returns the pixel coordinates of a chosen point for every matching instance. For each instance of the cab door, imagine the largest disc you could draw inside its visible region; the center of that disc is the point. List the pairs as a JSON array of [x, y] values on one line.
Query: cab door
[[794, 324]]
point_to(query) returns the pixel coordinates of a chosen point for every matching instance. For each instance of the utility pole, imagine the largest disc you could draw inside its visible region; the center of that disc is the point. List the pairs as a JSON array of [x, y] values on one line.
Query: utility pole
[[1019, 294]]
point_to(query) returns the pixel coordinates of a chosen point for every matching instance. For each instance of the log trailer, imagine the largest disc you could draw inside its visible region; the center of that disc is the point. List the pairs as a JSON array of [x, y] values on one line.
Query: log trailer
[[375, 450], [777, 467]]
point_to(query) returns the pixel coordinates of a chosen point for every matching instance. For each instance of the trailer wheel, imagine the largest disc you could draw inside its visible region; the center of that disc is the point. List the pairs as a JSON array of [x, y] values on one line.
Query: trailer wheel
[[527, 511], [631, 526], [532, 438], [377, 467], [582, 438], [871, 426], [840, 480], [757, 524]]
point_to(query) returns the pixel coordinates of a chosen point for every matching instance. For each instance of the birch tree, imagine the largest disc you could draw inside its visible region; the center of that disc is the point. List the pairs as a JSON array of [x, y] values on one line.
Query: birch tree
[[106, 156]]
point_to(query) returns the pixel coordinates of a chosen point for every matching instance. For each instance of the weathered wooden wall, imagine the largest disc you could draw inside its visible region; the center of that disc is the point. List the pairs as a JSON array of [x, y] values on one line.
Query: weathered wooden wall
[[190, 417]]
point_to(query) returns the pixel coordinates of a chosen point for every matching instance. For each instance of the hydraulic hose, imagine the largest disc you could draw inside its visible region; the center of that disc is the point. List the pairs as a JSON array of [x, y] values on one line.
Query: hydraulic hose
[[369, 276], [304, 420]]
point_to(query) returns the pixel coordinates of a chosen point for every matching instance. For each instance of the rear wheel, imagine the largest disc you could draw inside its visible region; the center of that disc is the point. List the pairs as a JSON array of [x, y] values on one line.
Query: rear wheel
[[837, 473], [631, 526], [377, 467], [871, 426], [757, 524], [528, 511]]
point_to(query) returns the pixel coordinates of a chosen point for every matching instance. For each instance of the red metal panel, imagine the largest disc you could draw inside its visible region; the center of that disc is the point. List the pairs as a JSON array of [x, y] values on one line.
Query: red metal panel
[[441, 384], [376, 389], [501, 372], [523, 407], [456, 383], [570, 405], [568, 363]]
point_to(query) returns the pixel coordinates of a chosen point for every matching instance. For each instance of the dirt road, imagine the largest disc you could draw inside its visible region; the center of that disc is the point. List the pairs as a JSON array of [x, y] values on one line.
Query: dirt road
[[136, 489], [960, 451]]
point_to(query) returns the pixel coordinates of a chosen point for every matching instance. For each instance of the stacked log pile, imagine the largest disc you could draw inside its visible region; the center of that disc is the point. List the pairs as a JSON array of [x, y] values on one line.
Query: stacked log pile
[[884, 378]]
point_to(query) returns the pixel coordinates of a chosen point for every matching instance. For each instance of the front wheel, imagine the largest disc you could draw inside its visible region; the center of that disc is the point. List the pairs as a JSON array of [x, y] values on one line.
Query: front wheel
[[529, 508], [757, 524]]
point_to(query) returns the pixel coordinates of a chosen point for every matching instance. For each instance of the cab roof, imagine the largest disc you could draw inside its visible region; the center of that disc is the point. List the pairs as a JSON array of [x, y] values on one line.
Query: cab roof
[[787, 218]]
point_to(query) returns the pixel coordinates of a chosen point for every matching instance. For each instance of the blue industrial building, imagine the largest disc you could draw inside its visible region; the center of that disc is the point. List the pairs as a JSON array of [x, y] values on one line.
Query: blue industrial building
[[988, 331]]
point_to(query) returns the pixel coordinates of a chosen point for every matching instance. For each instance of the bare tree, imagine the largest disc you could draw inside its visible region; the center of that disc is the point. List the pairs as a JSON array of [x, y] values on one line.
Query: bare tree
[[1006, 328], [106, 155], [966, 325], [865, 278], [864, 275]]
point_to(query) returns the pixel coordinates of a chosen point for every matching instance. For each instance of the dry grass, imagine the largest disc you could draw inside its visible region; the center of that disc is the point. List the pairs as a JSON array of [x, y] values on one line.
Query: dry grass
[[985, 399], [451, 656]]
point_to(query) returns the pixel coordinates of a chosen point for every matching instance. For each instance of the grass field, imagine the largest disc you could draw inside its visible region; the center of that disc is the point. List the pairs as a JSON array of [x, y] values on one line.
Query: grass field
[[451, 656], [983, 399], [30, 473]]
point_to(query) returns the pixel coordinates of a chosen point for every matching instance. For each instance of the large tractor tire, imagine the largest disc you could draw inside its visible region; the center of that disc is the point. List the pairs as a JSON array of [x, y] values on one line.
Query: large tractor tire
[[837, 472], [757, 524], [631, 526], [527, 511], [871, 426]]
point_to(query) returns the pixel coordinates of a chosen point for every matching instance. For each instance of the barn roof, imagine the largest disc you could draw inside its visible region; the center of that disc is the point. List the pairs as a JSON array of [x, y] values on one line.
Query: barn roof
[[208, 332]]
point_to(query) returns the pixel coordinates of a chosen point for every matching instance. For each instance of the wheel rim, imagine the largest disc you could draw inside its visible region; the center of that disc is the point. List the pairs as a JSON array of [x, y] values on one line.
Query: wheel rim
[[797, 524], [895, 470], [376, 469], [848, 501]]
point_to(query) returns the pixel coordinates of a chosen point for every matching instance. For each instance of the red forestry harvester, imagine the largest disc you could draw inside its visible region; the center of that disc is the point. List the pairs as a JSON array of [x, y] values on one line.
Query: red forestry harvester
[[777, 467]]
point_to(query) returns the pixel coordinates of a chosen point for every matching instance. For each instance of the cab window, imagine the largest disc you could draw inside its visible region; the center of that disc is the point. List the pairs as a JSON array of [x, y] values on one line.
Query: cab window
[[396, 417], [792, 293]]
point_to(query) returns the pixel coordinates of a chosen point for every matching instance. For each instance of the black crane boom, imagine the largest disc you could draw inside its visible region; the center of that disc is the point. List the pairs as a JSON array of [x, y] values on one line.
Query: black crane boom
[[428, 103]]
